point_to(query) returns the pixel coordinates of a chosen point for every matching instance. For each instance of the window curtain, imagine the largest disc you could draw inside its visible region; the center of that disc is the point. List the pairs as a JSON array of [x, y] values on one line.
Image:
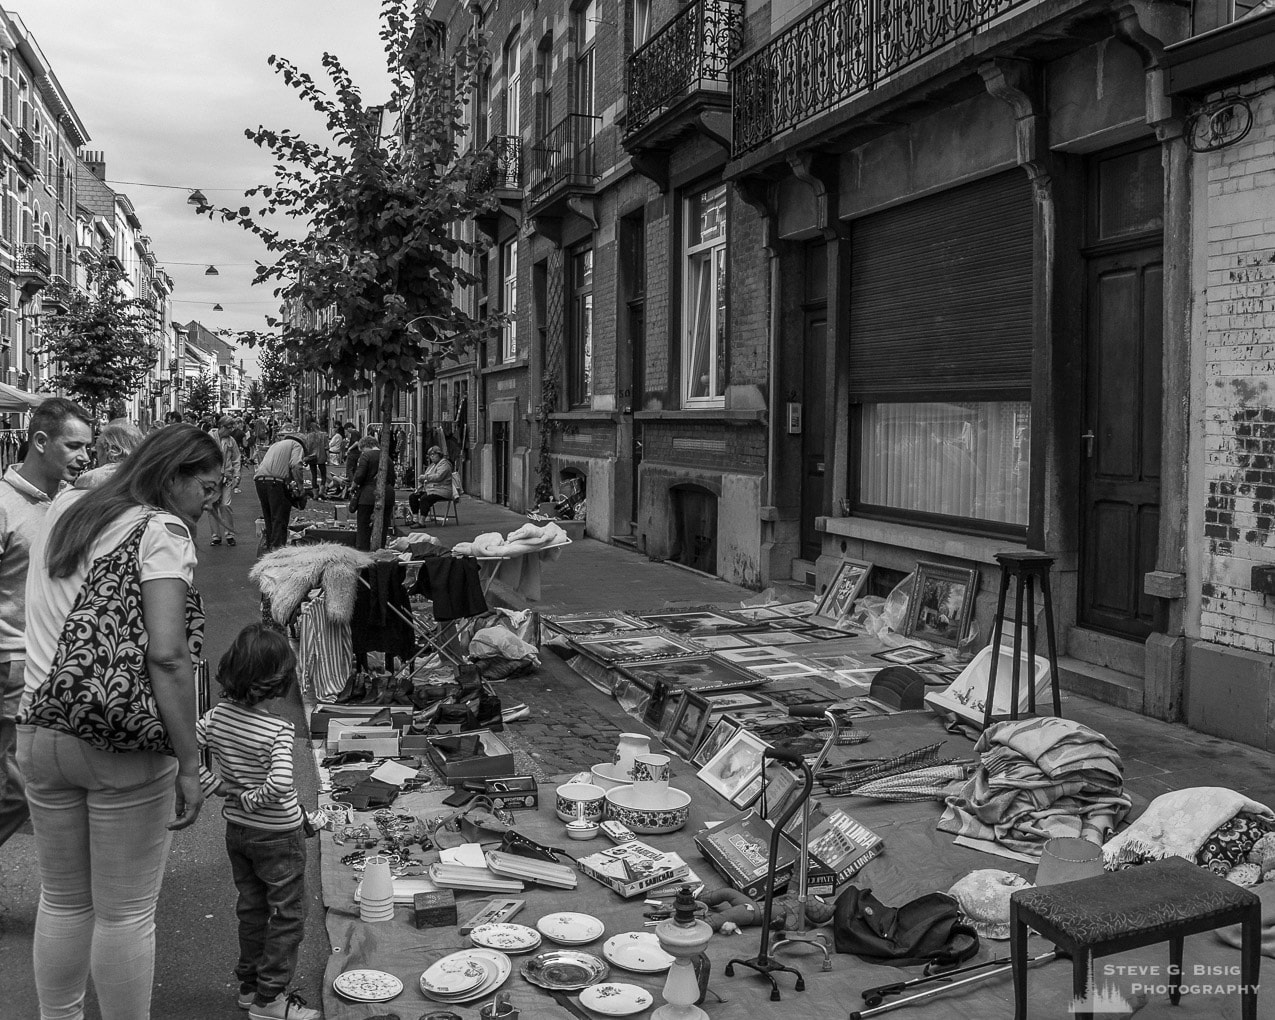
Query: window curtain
[[701, 341]]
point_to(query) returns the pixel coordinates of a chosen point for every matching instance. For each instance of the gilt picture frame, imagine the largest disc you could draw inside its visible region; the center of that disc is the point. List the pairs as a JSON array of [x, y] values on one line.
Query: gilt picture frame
[[941, 603]]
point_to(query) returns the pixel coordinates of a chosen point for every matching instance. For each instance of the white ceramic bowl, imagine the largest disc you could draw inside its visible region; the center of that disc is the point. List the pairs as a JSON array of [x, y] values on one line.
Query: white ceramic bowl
[[607, 775], [648, 821], [570, 795], [581, 830]]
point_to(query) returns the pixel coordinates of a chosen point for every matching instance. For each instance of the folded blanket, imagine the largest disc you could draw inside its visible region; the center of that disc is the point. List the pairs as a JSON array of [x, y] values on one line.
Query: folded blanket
[[1176, 824], [1037, 779], [527, 539]]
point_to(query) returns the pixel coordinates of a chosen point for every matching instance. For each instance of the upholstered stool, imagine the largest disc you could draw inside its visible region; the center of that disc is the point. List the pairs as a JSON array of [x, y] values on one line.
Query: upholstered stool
[[1159, 902], [1031, 569]]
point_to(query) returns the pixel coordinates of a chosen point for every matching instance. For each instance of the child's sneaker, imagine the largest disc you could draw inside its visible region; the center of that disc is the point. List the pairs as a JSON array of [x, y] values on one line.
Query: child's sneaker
[[286, 1007], [246, 997]]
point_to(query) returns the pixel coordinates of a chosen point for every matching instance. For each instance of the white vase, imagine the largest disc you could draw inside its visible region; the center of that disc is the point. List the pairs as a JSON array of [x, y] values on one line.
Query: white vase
[[630, 746]]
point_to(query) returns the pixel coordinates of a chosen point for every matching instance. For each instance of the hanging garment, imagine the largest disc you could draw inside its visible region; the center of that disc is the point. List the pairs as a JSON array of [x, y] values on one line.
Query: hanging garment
[[453, 585], [327, 650], [376, 626]]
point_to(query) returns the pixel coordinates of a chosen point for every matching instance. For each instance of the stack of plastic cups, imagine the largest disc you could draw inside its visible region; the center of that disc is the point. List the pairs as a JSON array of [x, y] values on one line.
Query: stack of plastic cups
[[376, 896]]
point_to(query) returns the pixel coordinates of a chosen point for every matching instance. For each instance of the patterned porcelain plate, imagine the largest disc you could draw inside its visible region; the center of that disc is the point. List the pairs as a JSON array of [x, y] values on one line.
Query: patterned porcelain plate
[[570, 929], [637, 951], [508, 938], [615, 999], [367, 985], [453, 975], [565, 970], [496, 968]]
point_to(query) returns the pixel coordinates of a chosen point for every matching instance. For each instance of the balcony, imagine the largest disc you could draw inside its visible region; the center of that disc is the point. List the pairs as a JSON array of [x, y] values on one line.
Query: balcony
[[28, 159], [58, 293], [842, 50], [563, 172], [679, 78], [31, 267], [503, 171]]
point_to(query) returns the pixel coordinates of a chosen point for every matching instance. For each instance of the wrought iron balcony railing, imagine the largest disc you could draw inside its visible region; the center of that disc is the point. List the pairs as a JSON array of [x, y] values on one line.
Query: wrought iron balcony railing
[[503, 171], [840, 50], [691, 53], [26, 150], [565, 156], [31, 260]]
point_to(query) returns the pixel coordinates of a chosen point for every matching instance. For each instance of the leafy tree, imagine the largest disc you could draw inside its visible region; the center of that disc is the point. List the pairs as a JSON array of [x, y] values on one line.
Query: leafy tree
[[276, 372], [103, 345], [255, 396], [371, 282], [201, 398]]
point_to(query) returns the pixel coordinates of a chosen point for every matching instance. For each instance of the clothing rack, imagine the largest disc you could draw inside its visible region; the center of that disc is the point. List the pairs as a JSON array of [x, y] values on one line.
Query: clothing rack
[[405, 444], [10, 443]]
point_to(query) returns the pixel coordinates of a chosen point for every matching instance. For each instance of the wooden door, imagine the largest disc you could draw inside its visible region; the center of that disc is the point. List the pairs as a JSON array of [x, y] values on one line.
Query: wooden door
[[1120, 447]]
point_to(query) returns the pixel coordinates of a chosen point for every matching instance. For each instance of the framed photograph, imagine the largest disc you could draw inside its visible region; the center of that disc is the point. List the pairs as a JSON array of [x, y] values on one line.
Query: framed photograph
[[686, 721], [737, 764], [713, 642], [685, 623], [746, 656], [698, 673], [827, 633], [941, 603], [755, 613], [907, 655], [719, 731], [837, 601], [657, 705], [729, 701], [839, 660], [613, 648], [788, 623], [597, 624], [748, 794], [794, 696], [859, 677], [783, 668], [787, 637], [806, 608]]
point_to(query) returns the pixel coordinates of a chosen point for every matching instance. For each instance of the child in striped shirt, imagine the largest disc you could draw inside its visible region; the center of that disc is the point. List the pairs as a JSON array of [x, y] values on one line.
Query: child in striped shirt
[[265, 837]]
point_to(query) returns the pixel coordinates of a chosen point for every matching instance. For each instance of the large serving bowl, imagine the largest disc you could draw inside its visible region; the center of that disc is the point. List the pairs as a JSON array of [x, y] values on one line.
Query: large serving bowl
[[647, 820], [572, 796], [608, 776]]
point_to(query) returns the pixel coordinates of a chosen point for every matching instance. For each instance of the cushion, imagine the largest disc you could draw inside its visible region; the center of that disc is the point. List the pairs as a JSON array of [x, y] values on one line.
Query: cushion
[[1154, 898]]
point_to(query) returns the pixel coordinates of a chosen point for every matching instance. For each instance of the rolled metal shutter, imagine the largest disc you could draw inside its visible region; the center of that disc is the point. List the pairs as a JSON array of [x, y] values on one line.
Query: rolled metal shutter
[[941, 294]]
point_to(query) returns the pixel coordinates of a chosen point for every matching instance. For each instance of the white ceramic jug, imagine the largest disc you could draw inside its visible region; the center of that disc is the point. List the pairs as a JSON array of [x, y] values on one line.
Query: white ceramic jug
[[630, 746]]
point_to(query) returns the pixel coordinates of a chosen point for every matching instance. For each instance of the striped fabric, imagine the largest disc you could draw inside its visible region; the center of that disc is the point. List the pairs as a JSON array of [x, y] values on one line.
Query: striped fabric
[[327, 650], [253, 750]]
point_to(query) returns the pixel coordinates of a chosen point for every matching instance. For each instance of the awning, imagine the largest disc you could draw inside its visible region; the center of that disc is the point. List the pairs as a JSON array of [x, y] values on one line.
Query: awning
[[13, 399]]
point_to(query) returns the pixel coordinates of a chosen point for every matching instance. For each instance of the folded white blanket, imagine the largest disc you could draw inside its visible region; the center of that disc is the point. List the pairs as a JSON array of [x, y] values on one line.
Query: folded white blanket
[[527, 539], [1176, 824]]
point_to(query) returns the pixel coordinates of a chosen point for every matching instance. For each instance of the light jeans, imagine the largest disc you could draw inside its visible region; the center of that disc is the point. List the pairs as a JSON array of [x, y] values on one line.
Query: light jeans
[[222, 516], [102, 840]]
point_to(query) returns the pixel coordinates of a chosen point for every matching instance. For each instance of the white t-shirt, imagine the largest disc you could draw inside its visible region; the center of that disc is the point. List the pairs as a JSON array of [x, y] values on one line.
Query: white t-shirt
[[49, 599]]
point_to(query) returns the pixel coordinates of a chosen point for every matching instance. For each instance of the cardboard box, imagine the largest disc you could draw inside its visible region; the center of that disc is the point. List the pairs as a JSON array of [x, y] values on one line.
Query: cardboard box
[[382, 741], [633, 867], [739, 848], [841, 846], [477, 755], [322, 717]]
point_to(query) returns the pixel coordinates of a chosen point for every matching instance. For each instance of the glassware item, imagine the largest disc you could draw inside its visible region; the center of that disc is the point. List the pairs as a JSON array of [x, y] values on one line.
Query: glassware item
[[1068, 859]]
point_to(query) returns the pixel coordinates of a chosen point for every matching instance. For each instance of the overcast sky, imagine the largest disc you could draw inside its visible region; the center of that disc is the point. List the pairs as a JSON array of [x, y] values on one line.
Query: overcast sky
[[166, 89]]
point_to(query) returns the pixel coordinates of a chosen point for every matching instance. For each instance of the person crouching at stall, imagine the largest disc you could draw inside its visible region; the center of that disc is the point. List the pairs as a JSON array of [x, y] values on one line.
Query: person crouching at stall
[[265, 825]]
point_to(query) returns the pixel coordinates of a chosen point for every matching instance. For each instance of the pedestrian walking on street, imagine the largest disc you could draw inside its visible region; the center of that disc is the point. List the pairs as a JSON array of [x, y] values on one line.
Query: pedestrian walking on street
[[113, 612], [282, 466], [57, 451], [363, 493], [222, 516], [316, 441], [353, 451], [265, 834]]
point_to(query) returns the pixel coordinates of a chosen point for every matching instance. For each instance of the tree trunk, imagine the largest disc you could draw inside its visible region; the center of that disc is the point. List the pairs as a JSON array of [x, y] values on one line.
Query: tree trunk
[[383, 465]]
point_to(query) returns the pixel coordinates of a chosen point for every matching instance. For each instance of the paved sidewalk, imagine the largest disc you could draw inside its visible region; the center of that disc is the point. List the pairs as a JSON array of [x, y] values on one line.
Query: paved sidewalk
[[571, 721]]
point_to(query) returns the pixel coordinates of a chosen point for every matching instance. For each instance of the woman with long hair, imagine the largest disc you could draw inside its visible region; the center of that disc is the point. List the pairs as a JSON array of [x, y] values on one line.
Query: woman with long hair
[[104, 814]]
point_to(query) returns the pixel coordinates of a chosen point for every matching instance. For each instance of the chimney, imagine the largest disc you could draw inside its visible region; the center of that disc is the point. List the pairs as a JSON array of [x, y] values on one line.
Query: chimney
[[96, 162]]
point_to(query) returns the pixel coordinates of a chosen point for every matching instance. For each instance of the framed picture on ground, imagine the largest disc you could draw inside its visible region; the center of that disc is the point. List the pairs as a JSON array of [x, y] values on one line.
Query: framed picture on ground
[[793, 697], [795, 608], [712, 642], [941, 603], [719, 732], [699, 673], [907, 655], [730, 701], [838, 599], [737, 764], [755, 613], [748, 794], [597, 624], [747, 656], [653, 644], [686, 723], [783, 668], [785, 637], [686, 622], [827, 633]]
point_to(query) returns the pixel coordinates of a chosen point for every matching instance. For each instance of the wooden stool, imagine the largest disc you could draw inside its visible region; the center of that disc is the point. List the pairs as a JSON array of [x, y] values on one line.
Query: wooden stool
[[1031, 568], [1120, 910]]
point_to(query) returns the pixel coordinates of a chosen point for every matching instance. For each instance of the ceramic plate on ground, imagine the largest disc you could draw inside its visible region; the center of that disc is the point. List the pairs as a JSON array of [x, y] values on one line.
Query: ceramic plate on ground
[[565, 970], [367, 985], [615, 999], [453, 975], [637, 951], [496, 967], [570, 929], [508, 938]]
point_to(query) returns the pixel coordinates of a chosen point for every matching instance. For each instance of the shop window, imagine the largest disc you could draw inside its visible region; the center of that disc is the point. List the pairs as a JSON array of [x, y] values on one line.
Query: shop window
[[953, 459], [704, 299], [694, 528], [509, 300], [580, 339]]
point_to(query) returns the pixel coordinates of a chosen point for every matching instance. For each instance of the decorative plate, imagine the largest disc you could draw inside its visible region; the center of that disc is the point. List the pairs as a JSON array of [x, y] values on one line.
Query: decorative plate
[[496, 969], [508, 938], [565, 970], [637, 951], [615, 999], [453, 975], [570, 929], [367, 985]]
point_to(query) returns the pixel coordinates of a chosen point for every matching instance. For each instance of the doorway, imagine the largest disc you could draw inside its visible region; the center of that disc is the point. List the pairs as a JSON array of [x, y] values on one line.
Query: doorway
[[694, 528], [812, 433], [500, 449]]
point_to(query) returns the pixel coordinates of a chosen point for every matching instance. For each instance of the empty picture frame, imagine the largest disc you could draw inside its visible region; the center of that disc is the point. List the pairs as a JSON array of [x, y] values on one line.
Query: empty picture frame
[[941, 603], [837, 601]]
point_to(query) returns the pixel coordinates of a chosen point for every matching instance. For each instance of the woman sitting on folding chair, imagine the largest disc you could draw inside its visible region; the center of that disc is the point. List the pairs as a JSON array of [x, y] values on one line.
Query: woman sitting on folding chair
[[435, 485]]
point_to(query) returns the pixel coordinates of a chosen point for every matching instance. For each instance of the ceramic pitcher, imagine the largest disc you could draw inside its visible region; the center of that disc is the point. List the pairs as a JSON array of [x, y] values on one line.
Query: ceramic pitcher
[[630, 746]]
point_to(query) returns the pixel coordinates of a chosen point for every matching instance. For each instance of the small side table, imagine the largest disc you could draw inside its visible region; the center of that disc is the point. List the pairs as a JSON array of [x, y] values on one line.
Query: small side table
[[1031, 569], [1163, 901]]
